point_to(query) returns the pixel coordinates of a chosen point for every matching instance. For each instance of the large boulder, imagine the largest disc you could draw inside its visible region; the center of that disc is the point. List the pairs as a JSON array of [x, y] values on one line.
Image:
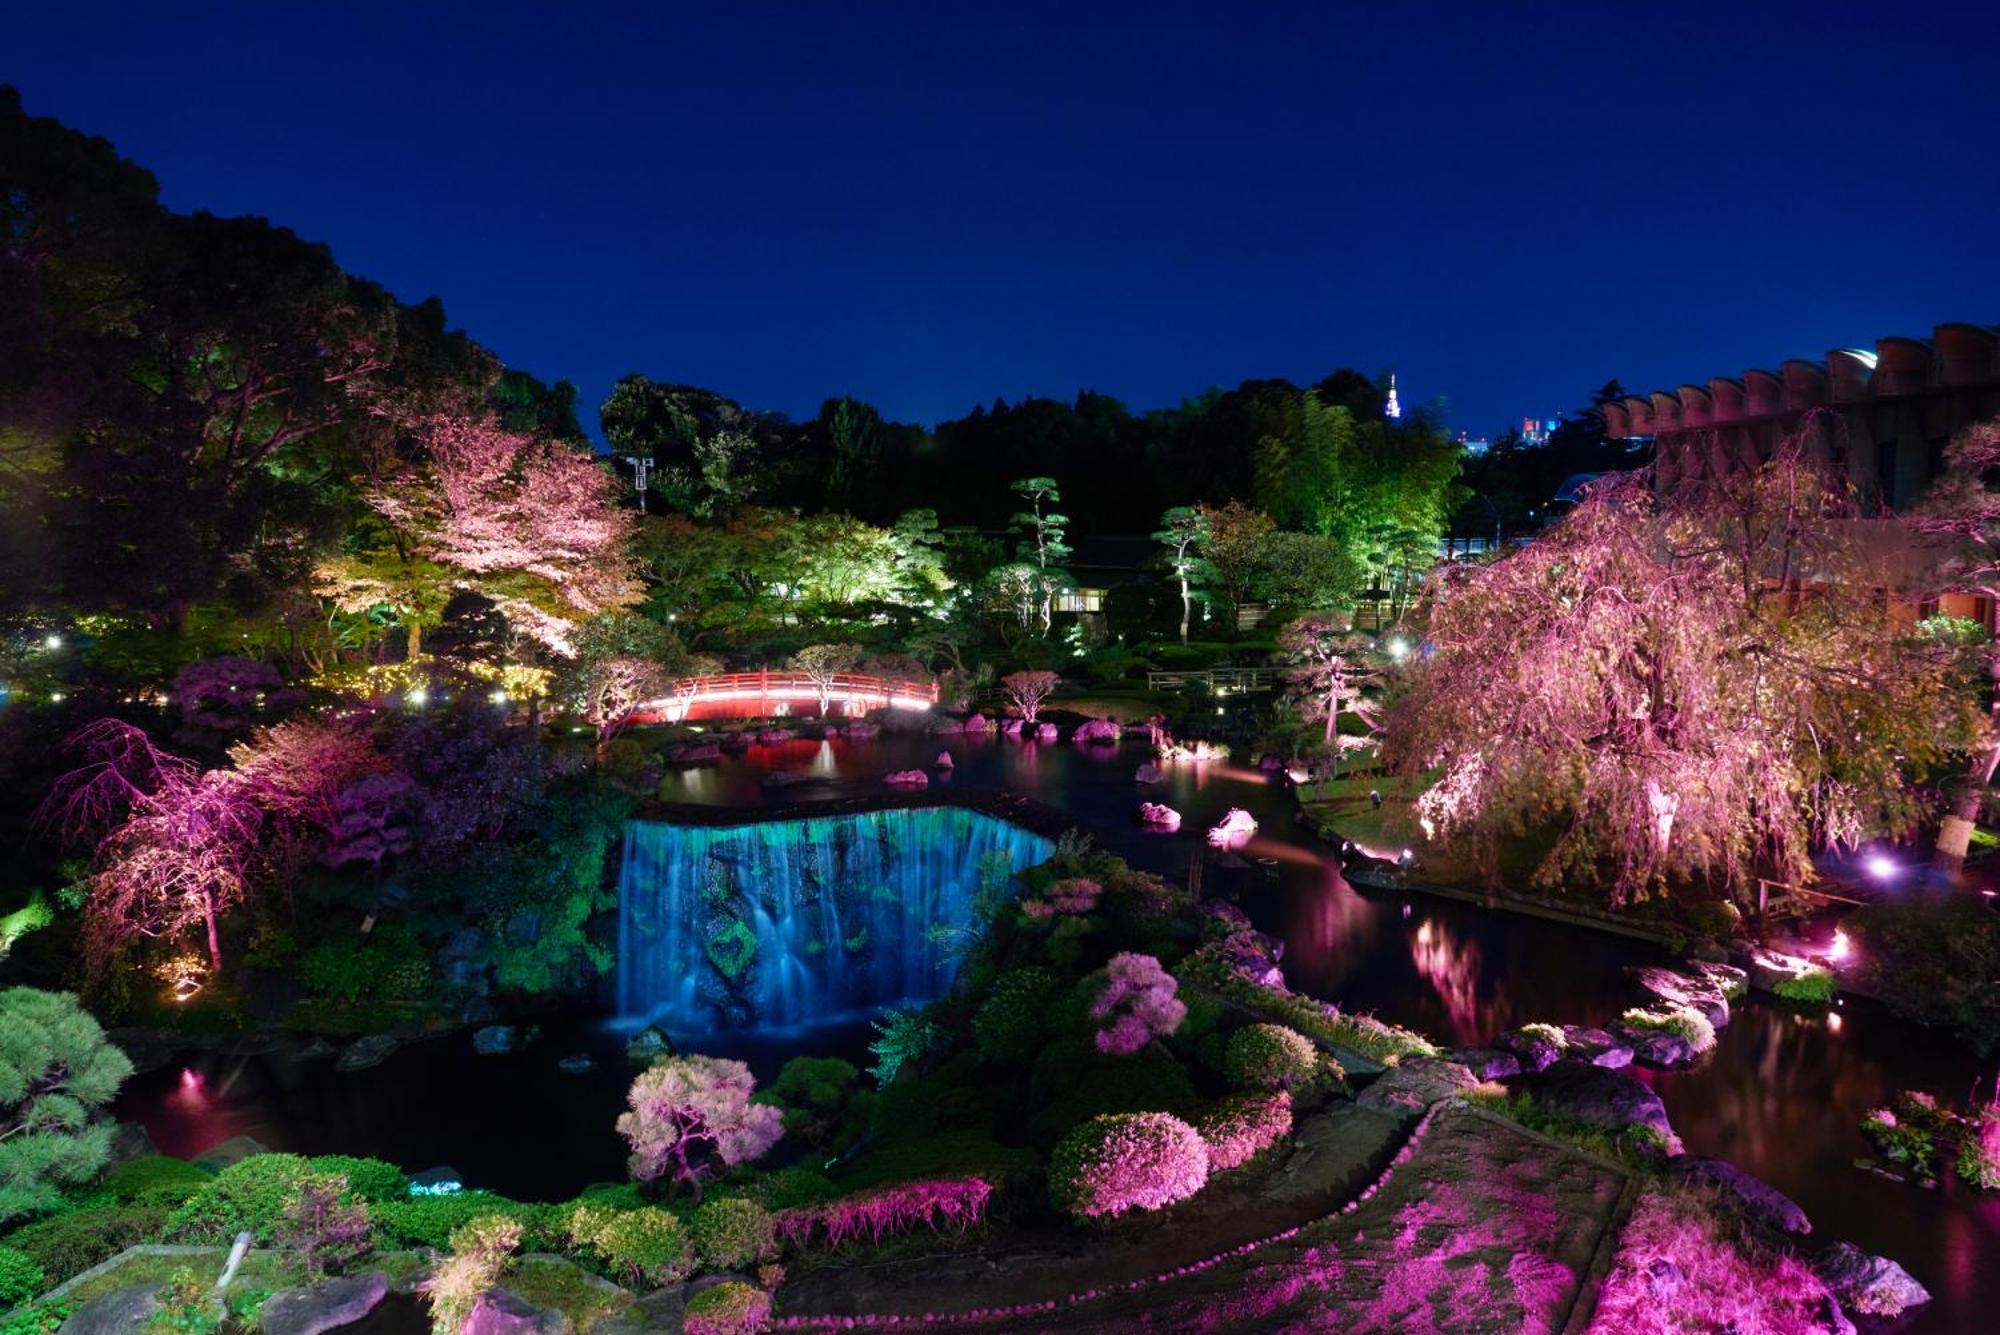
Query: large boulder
[[979, 724], [363, 1053], [503, 1312], [1149, 773], [234, 1150], [907, 778], [1097, 730], [1159, 816], [1045, 732], [648, 1046], [944, 761], [1234, 829], [1660, 1049], [1534, 1050], [1759, 1199], [1596, 1046], [129, 1141], [1731, 981], [1871, 1285], [322, 1307], [495, 1040], [1414, 1085], [1487, 1063], [1601, 1097], [124, 1311], [1680, 989]]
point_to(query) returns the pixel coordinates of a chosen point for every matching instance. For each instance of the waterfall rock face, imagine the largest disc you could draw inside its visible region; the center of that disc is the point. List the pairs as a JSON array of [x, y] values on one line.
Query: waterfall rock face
[[785, 924]]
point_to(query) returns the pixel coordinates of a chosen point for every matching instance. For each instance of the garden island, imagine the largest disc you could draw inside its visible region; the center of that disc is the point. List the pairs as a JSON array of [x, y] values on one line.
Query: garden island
[[1263, 863]]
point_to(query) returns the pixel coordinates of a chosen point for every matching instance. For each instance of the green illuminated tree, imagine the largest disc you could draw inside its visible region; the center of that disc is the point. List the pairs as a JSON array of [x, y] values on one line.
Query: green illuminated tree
[[57, 1073]]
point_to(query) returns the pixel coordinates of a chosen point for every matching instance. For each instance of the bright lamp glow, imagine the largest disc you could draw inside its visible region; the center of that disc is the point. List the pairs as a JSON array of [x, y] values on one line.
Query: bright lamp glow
[[1399, 648], [52, 642], [1881, 867], [1841, 947]]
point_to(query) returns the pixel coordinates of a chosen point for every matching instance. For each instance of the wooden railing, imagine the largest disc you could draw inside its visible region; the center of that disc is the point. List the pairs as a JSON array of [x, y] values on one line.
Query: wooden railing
[[778, 692], [1216, 680]]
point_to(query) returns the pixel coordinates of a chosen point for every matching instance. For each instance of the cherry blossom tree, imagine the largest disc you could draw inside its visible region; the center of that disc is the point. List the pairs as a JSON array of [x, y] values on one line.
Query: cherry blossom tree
[[613, 687], [1026, 691], [691, 1117], [822, 664], [1697, 686], [1136, 1005]]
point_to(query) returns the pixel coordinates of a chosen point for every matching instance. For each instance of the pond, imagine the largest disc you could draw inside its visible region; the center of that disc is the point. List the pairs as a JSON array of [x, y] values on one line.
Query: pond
[[1783, 1096]]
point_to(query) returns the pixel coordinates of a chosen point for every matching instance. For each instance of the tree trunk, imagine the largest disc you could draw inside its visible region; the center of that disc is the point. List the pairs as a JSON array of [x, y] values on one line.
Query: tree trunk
[[214, 938], [416, 641], [1186, 611], [1955, 831]]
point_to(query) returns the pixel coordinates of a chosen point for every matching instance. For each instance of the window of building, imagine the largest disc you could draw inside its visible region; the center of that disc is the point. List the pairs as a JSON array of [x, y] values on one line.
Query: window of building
[[1080, 600]]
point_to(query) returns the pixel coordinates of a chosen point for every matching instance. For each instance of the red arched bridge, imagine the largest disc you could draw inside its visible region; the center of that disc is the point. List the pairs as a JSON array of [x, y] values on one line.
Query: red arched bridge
[[776, 694]]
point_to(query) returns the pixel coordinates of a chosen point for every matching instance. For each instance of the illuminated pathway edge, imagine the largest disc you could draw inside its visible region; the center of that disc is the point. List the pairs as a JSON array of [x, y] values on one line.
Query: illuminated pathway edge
[[1474, 1220]]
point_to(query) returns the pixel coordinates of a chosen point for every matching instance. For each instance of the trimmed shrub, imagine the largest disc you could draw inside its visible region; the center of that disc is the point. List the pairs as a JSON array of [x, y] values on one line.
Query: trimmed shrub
[[648, 1245], [158, 1178], [429, 1221], [370, 1179], [1238, 1130], [249, 1195], [1270, 1057], [1127, 1161], [69, 1244], [729, 1308], [21, 1278], [731, 1233], [1009, 1024], [786, 1188]]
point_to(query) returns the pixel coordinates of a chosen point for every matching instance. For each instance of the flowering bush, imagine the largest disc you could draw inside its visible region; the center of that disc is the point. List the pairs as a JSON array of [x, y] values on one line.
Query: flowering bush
[[959, 1203], [1127, 1161], [480, 1251], [1237, 1130], [692, 1116], [1008, 1024], [1979, 1150], [730, 1233], [1135, 1005], [1686, 1021], [1270, 1057], [1075, 895], [730, 1308]]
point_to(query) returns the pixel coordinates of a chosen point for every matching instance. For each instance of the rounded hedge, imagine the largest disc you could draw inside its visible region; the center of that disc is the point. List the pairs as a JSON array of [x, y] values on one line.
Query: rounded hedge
[[370, 1179], [158, 1178], [648, 1244], [731, 1233], [1270, 1057], [1009, 1025], [1127, 1161], [251, 1194], [729, 1308], [21, 1278], [68, 1244], [1238, 1130]]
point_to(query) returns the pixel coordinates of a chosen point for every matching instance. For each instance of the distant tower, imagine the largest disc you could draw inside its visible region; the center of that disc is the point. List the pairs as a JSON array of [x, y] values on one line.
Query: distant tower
[[1392, 410]]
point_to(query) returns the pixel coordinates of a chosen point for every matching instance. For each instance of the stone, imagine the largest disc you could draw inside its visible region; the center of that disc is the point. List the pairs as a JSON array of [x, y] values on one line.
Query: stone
[[1046, 732], [773, 736], [129, 1141], [363, 1053], [907, 778], [1731, 981], [503, 1312], [1408, 1088], [1536, 1053], [693, 753], [577, 1063], [234, 1150], [121, 1312], [1159, 816], [1613, 1100], [860, 730], [979, 723], [439, 1181], [322, 1307], [1871, 1285], [1767, 968], [1233, 830], [1596, 1046], [1149, 773], [1664, 1279], [1659, 1049], [1759, 1199], [495, 1040], [1680, 989], [785, 778], [1098, 730], [1487, 1063], [1012, 727], [317, 1050], [648, 1046], [944, 761]]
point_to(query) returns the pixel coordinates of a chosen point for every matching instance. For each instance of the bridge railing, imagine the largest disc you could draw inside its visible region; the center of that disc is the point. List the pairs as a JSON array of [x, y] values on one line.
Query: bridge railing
[[1236, 680], [760, 693]]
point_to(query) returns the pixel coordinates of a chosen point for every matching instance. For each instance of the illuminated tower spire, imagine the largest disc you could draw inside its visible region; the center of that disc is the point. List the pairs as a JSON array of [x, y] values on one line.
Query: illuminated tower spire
[[1392, 410]]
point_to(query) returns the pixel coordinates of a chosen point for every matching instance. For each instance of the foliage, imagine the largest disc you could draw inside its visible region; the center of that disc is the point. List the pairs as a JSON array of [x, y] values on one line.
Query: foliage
[[369, 1179], [1127, 1161], [820, 1100], [21, 1279], [1236, 1130], [729, 1308], [693, 1116], [1634, 1143], [252, 1194], [1270, 1057], [187, 1305], [429, 1221], [324, 1225], [1903, 1139], [1686, 1021], [1813, 986], [731, 1233], [153, 1175], [1135, 1004], [1212, 968], [1027, 689], [57, 1072], [32, 916], [730, 947], [481, 1250], [1636, 680], [1551, 1034], [67, 1244], [957, 1203], [1008, 1024], [1729, 1278], [1936, 963], [647, 1245], [903, 1038]]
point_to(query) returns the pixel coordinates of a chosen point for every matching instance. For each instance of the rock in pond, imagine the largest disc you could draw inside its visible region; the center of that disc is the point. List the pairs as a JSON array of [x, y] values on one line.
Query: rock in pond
[[120, 1312], [1414, 1085], [363, 1053], [321, 1307], [577, 1063], [1097, 730], [978, 723], [1149, 773], [1536, 1052], [944, 761], [1046, 732], [1487, 1063], [1871, 1285], [1680, 989], [1762, 1201], [495, 1040], [1658, 1048], [503, 1312], [648, 1046], [1159, 816], [1731, 981], [1614, 1100], [1596, 1046], [907, 778]]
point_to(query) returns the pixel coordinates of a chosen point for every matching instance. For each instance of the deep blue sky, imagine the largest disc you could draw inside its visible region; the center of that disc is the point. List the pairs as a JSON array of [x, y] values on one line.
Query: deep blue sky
[[931, 204]]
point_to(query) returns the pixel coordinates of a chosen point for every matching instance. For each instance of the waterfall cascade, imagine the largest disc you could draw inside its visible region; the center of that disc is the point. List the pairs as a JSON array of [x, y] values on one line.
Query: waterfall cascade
[[785, 924]]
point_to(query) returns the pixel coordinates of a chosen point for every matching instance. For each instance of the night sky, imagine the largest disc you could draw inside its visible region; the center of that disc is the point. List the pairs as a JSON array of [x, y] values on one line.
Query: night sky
[[928, 205]]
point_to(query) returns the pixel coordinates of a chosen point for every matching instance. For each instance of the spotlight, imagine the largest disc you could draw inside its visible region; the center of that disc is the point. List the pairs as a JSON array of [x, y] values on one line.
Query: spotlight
[[1881, 867]]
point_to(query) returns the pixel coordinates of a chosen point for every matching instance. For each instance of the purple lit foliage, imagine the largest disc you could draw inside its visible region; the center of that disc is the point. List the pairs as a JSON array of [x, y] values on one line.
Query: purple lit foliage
[[957, 1204], [220, 694], [1127, 1161], [1239, 1129], [692, 1118], [1136, 1005]]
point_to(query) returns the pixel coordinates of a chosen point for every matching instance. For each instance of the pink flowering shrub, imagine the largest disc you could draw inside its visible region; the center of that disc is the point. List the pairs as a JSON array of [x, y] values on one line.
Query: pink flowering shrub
[[1127, 1161], [1979, 1150], [957, 1203], [1137, 1004], [692, 1117], [1238, 1130], [1076, 895]]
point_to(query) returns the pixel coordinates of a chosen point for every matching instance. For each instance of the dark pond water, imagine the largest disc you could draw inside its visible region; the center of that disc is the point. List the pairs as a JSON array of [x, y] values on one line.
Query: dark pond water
[[1783, 1096]]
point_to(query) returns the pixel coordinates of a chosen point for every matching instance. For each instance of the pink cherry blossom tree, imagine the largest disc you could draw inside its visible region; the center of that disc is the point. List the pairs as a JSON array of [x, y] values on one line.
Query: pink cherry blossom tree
[[613, 687], [1136, 1005], [1026, 691], [691, 1117]]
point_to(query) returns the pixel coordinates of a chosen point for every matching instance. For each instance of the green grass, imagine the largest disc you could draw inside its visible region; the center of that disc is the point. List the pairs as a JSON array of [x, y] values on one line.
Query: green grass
[[566, 1288], [261, 1269], [1636, 1145]]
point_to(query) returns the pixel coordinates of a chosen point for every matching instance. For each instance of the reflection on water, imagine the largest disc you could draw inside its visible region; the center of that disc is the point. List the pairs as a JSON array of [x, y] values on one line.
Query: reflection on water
[[1452, 967]]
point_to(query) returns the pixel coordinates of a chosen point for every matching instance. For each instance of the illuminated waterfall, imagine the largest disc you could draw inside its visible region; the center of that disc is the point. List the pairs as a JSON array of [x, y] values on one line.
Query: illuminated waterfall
[[785, 924]]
